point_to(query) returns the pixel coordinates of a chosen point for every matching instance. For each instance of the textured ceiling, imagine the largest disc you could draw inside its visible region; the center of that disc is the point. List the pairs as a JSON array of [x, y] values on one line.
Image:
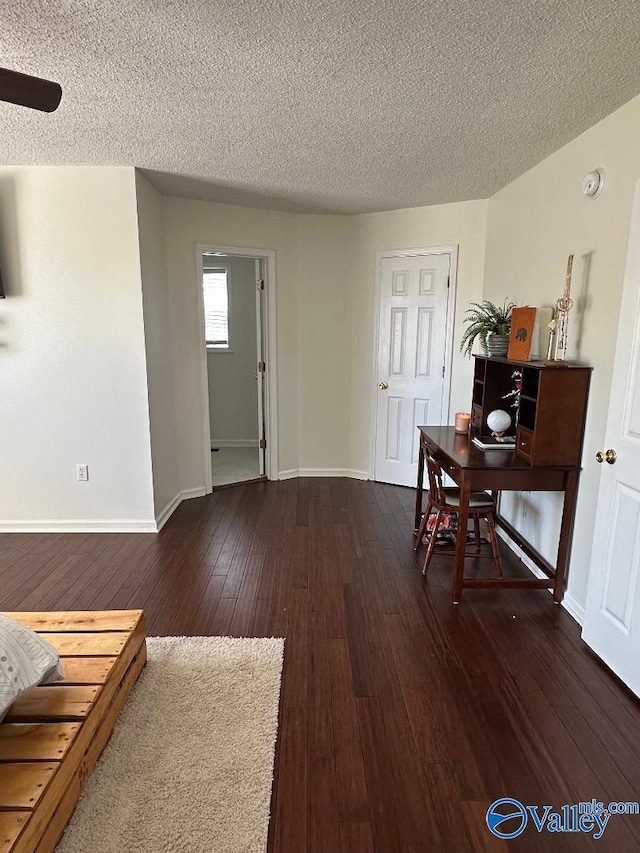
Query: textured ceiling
[[339, 106]]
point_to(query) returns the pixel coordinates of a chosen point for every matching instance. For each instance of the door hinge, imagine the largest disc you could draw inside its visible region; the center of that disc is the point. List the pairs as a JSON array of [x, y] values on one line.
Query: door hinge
[[261, 367], [260, 284], [263, 443], [448, 281], [443, 371]]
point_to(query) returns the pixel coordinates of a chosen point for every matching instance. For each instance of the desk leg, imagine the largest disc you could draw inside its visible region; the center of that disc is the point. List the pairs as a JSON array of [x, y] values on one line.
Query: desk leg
[[419, 489], [566, 533], [461, 539]]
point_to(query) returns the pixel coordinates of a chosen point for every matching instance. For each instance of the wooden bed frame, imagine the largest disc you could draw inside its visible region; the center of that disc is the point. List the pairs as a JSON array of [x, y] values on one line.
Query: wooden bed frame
[[52, 736]]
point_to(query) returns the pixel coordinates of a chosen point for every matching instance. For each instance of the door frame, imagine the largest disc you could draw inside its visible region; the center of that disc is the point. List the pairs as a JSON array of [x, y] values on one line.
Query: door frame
[[452, 251], [271, 373]]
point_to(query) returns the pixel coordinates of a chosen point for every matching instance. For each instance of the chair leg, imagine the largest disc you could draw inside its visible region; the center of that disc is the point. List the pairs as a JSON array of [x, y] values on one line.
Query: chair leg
[[423, 526], [476, 527], [432, 542], [494, 544]]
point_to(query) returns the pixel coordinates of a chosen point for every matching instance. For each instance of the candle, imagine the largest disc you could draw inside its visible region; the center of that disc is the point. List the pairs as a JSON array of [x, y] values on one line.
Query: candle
[[463, 419]]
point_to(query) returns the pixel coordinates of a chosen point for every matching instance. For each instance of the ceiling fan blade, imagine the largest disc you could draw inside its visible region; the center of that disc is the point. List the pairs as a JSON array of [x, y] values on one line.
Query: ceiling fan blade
[[29, 91]]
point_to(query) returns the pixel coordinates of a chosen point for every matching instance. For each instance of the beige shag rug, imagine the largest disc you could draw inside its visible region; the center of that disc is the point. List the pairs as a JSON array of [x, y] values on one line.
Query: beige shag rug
[[190, 763]]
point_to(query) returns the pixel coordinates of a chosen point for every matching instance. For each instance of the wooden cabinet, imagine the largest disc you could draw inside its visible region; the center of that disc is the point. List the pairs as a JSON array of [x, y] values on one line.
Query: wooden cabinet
[[552, 411]]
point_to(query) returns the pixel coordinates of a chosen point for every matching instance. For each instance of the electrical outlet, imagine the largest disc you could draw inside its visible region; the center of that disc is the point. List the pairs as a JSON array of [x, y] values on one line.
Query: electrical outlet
[[82, 473]]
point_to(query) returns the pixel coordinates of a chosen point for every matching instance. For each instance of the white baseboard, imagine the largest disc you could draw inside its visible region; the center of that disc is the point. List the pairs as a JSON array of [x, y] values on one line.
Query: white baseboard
[[569, 602], [165, 514], [290, 474], [331, 472], [573, 607], [198, 492], [80, 525], [323, 472], [234, 442], [102, 525]]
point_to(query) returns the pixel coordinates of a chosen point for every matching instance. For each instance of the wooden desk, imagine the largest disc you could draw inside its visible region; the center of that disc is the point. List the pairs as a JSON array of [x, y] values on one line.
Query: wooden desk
[[475, 470]]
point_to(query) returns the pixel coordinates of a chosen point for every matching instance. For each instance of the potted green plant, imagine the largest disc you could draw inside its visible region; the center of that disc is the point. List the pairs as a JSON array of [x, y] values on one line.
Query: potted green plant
[[491, 324]]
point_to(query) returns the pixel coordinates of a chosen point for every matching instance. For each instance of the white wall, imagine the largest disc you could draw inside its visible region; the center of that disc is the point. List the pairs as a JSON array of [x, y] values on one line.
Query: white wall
[[314, 271], [326, 287], [74, 384], [233, 397], [463, 224], [533, 224], [190, 222], [325, 281], [157, 331]]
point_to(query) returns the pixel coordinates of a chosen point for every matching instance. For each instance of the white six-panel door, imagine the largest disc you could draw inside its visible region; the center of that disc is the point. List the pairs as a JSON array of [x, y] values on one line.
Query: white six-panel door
[[412, 382], [612, 617]]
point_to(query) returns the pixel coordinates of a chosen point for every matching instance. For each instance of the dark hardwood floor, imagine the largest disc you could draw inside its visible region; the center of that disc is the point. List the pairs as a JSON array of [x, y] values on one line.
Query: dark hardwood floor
[[402, 717]]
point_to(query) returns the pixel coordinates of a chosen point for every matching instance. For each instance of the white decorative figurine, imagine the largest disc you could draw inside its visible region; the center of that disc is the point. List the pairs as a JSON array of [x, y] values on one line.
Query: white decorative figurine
[[498, 422]]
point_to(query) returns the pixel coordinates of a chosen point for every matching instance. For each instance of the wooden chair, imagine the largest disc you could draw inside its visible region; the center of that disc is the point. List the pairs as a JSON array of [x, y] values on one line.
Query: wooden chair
[[446, 500]]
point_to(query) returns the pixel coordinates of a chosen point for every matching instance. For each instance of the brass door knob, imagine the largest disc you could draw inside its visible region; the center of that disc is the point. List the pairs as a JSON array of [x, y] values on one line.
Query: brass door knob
[[609, 456], [383, 386]]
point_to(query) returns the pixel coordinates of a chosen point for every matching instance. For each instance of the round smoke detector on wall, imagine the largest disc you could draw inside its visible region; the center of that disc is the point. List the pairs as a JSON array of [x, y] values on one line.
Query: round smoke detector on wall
[[593, 183]]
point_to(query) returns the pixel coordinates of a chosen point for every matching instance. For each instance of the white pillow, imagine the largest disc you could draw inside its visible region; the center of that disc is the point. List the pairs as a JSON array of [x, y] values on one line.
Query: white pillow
[[25, 660]]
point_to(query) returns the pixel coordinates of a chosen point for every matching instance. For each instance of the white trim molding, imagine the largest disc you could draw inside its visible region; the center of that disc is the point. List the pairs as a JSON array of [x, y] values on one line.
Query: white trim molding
[[103, 525], [573, 607], [234, 442], [165, 514], [358, 475], [348, 473], [569, 601], [198, 492], [289, 474], [80, 525], [268, 256]]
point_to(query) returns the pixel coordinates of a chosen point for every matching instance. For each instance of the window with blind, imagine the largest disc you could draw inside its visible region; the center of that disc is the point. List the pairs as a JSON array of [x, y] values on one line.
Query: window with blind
[[215, 283]]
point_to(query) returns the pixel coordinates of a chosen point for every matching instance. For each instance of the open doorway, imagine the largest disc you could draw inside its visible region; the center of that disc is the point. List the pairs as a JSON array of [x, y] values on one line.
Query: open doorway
[[234, 323]]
